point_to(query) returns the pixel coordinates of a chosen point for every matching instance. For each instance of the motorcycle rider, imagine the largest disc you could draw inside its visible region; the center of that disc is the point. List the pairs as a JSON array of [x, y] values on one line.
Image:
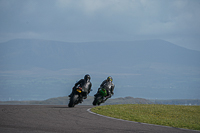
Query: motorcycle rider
[[85, 84], [109, 86]]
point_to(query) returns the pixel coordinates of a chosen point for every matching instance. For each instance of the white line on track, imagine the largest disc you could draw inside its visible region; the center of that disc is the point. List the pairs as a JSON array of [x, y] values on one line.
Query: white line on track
[[89, 110]]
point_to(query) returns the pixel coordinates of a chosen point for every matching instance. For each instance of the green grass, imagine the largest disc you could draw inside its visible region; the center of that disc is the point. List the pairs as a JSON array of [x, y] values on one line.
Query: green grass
[[179, 116]]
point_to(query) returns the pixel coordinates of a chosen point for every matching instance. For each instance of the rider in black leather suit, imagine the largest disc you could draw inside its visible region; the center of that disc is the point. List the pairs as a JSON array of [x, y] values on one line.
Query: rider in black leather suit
[[85, 84]]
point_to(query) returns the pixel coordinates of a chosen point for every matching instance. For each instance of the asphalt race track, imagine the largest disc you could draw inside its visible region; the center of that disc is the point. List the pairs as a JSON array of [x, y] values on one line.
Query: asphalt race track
[[59, 118]]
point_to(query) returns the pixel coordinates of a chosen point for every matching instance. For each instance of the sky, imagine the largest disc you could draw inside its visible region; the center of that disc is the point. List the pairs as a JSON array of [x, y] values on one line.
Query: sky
[[176, 21]]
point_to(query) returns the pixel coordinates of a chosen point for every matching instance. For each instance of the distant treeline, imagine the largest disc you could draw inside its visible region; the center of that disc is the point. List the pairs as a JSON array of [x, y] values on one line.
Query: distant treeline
[[89, 100]]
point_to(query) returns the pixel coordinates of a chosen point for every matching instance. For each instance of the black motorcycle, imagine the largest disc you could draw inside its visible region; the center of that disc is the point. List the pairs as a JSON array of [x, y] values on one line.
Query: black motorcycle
[[77, 96], [99, 97]]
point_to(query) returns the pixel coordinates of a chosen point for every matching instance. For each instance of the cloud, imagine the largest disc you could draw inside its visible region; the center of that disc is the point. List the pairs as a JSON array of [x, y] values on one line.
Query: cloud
[[89, 20]]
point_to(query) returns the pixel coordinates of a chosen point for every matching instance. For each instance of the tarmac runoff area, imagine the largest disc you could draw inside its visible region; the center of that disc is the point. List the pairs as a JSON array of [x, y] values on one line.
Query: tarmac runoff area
[[61, 119]]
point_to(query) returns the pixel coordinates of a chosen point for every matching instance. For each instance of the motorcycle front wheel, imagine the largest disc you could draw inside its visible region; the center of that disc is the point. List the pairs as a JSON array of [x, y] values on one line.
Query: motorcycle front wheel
[[73, 100]]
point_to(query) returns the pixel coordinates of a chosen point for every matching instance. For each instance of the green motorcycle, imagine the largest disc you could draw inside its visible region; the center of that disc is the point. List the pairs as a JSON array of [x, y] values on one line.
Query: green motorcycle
[[98, 99]]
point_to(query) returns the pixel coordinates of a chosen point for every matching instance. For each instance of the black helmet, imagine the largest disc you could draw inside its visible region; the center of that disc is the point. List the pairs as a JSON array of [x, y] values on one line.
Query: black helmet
[[87, 77], [109, 78]]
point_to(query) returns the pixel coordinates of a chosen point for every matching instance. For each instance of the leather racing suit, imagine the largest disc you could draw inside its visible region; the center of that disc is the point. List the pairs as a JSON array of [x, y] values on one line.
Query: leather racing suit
[[85, 84], [109, 86]]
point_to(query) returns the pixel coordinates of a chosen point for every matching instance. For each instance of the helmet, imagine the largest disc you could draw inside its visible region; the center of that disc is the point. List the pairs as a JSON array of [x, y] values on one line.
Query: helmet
[[109, 78], [87, 77]]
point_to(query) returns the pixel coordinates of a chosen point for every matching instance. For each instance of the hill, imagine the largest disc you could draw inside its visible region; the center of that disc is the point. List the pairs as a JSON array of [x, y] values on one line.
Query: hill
[[88, 101], [40, 69], [21, 54], [126, 100]]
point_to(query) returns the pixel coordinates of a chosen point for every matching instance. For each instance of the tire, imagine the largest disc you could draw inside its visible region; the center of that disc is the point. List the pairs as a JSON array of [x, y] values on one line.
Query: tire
[[72, 101], [97, 100]]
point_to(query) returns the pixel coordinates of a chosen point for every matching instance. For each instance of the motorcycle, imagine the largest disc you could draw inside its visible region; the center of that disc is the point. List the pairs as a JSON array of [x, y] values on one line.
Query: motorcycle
[[99, 97], [77, 96]]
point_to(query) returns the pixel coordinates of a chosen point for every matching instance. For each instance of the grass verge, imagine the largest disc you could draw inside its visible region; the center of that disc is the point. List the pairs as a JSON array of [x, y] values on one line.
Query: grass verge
[[178, 116]]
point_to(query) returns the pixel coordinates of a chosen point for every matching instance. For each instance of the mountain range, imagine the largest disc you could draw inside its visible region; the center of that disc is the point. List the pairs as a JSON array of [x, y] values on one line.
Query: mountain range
[[39, 69], [23, 54]]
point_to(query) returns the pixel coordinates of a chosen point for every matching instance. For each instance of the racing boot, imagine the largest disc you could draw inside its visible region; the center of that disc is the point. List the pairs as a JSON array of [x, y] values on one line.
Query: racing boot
[[104, 99], [70, 94]]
